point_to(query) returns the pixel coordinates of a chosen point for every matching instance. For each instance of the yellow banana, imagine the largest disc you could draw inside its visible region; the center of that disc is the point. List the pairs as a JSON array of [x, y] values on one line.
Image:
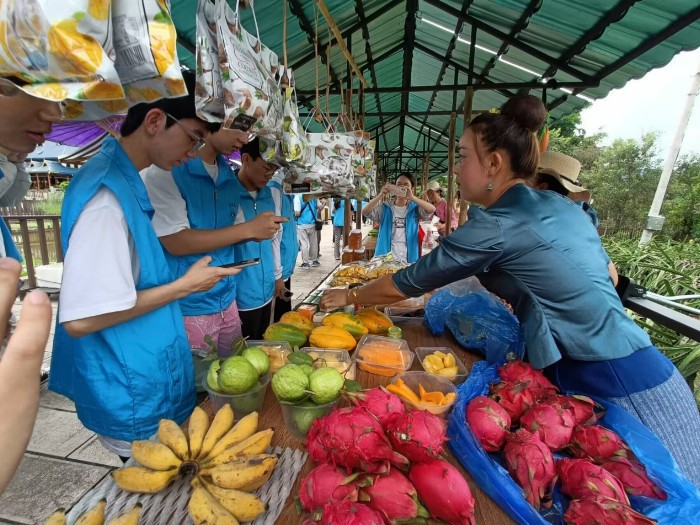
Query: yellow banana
[[237, 474], [223, 421], [154, 455], [93, 516], [144, 480], [130, 517], [172, 436], [242, 430], [244, 507], [196, 429], [57, 518], [258, 443], [205, 510]]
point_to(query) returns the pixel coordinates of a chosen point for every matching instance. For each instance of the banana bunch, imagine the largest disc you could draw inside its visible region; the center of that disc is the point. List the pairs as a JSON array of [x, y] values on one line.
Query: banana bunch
[[96, 516], [441, 363], [228, 462]]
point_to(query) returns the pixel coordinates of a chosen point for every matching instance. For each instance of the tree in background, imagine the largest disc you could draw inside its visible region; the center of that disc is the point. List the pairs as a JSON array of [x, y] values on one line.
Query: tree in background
[[682, 205]]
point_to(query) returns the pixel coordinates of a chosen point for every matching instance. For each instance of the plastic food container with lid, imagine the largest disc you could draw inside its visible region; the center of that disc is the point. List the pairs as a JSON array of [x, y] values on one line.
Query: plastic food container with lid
[[383, 356], [424, 351], [431, 383], [277, 351], [338, 359]]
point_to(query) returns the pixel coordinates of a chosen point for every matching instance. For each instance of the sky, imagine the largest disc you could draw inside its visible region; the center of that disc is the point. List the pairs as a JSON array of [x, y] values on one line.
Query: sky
[[652, 103]]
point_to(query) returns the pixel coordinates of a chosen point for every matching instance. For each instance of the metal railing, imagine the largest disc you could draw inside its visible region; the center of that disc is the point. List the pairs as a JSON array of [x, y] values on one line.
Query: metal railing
[[39, 240]]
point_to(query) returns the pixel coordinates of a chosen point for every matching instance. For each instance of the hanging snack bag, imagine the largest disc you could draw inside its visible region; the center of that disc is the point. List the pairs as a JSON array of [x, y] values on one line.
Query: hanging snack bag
[[62, 50], [246, 85], [209, 99], [295, 145], [145, 44]]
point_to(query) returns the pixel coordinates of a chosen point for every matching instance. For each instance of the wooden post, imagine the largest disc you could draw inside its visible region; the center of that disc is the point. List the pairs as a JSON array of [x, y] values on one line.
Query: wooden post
[[468, 101], [451, 173]]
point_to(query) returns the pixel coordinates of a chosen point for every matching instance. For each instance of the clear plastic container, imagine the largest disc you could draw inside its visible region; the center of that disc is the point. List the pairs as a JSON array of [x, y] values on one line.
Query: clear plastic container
[[383, 356], [431, 383], [242, 404], [338, 359], [423, 351], [277, 351], [298, 418]]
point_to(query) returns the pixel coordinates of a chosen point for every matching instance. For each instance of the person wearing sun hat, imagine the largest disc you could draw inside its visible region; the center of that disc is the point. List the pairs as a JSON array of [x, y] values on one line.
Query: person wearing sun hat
[[559, 172], [436, 198]]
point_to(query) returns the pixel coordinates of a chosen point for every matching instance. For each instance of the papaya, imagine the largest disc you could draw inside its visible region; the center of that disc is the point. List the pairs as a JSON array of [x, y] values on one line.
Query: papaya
[[332, 337], [348, 322], [376, 322], [285, 332], [299, 321]]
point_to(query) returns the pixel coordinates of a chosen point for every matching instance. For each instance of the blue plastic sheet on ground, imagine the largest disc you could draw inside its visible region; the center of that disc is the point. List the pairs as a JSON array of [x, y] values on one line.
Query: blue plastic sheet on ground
[[477, 319], [681, 508]]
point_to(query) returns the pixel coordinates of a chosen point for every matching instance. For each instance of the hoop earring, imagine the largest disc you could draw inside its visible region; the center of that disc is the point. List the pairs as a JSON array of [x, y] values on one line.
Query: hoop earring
[[489, 186]]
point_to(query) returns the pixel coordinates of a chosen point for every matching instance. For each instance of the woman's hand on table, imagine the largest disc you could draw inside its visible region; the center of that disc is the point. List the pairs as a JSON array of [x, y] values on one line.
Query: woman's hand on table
[[334, 298]]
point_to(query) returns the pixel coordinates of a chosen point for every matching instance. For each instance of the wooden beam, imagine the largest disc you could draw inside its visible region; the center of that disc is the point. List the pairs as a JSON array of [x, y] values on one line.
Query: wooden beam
[[341, 41]]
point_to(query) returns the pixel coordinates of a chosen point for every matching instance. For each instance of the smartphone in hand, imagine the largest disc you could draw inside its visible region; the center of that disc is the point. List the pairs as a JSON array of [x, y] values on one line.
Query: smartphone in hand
[[241, 264], [399, 191]]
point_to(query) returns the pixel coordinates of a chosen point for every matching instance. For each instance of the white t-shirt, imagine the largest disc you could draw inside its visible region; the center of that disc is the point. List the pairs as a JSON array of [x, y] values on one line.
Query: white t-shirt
[[398, 233], [101, 267]]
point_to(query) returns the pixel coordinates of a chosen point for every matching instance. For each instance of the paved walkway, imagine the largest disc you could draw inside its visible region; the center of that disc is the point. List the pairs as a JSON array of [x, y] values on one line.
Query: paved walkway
[[64, 460]]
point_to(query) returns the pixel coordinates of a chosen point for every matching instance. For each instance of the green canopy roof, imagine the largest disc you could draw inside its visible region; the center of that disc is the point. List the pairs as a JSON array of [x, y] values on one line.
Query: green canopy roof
[[418, 57]]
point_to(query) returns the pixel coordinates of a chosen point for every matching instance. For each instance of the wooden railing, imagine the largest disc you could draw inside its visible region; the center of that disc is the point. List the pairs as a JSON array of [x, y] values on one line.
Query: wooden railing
[[39, 240]]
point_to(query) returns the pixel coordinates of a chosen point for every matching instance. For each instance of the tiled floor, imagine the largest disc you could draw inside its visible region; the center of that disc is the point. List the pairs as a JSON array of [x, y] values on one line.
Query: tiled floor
[[64, 460]]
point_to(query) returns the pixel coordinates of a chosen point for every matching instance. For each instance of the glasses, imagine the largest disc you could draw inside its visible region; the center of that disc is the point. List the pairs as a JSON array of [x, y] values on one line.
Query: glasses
[[197, 142]]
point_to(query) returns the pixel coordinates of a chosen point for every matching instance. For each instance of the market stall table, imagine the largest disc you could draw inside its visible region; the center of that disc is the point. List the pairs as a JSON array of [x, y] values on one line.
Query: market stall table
[[416, 334]]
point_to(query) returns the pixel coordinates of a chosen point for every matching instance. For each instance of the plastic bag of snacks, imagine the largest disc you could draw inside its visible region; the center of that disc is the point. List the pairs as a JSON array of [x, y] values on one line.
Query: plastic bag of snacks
[[209, 98], [359, 142], [250, 93], [145, 43], [63, 50], [295, 145], [329, 168]]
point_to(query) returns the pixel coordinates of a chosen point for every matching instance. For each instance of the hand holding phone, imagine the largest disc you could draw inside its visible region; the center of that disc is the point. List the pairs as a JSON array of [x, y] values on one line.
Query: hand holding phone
[[399, 191], [241, 264]]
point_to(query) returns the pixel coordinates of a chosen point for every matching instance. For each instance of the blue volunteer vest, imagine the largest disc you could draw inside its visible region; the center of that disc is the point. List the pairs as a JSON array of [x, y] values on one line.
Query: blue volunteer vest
[[11, 249], [127, 377], [255, 284], [209, 206], [387, 225], [289, 247]]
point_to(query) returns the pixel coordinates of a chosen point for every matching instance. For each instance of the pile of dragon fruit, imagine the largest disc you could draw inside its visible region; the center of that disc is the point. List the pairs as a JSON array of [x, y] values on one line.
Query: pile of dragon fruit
[[378, 463], [527, 421]]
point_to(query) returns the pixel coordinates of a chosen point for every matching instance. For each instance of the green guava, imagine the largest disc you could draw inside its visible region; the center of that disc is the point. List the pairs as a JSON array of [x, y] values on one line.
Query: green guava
[[290, 383], [213, 375], [237, 375], [305, 414], [258, 358], [326, 384], [308, 369]]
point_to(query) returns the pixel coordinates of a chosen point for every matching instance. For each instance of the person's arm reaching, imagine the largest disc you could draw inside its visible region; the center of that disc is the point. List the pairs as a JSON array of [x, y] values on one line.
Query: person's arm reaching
[[367, 208]]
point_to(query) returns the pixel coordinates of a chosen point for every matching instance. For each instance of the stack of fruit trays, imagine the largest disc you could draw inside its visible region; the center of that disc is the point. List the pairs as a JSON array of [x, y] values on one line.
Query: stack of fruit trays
[[573, 462]]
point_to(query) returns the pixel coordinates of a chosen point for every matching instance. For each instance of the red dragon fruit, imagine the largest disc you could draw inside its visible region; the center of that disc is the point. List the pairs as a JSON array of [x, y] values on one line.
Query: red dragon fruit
[[515, 398], [444, 491], [519, 371], [591, 511], [633, 477], [350, 513], [354, 439], [317, 452], [580, 478], [417, 434], [530, 463], [554, 425], [381, 403], [489, 422], [584, 409], [597, 443], [393, 496], [325, 483]]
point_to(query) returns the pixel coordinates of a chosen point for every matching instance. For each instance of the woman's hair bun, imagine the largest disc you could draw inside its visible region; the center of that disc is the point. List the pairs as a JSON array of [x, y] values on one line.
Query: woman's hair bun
[[527, 110]]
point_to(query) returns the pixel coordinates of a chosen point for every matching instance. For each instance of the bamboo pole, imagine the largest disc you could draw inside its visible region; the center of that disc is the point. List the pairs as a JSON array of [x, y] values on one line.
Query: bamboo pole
[[450, 173], [468, 102], [341, 44]]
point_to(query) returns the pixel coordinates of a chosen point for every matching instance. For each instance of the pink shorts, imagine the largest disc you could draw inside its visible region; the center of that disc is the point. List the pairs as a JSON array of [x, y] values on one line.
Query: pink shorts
[[223, 328]]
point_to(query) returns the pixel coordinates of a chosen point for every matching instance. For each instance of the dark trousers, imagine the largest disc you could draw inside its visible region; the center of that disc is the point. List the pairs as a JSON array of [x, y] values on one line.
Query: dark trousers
[[282, 306], [255, 322]]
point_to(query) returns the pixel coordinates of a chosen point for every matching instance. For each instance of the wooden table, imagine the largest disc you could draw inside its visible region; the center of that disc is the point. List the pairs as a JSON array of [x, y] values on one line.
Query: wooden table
[[416, 334]]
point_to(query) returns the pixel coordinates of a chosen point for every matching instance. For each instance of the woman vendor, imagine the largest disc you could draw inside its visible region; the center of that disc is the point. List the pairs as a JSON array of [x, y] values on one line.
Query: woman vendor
[[399, 221], [539, 252]]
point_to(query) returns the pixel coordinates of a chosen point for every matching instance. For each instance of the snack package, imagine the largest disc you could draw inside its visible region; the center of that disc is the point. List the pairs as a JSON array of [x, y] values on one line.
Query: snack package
[[295, 145], [63, 50], [145, 43], [250, 94], [209, 98], [329, 168], [359, 142]]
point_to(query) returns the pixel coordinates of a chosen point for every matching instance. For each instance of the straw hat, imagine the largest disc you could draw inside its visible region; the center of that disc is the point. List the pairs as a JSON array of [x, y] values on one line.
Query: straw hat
[[563, 168], [434, 185]]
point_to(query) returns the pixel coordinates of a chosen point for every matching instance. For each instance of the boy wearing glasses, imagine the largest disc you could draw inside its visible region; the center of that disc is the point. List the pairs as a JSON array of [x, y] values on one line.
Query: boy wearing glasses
[[196, 206], [120, 350]]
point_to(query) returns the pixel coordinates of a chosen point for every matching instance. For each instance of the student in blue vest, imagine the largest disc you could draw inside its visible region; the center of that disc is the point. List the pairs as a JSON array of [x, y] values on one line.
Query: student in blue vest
[[285, 247], [306, 211], [338, 223], [195, 211], [399, 221], [120, 350], [255, 285]]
